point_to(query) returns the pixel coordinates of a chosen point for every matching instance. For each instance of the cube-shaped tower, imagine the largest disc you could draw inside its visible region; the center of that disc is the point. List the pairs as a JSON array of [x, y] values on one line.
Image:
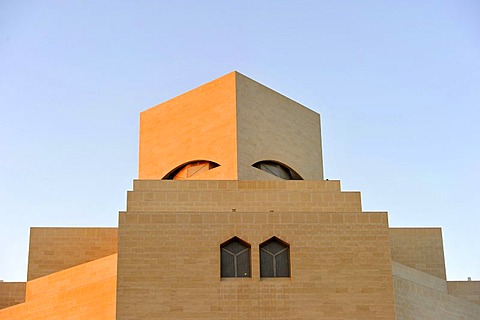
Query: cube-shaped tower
[[234, 126]]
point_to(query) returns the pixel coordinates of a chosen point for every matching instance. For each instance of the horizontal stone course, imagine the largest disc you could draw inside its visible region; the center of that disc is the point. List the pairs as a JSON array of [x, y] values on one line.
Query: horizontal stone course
[[326, 185]]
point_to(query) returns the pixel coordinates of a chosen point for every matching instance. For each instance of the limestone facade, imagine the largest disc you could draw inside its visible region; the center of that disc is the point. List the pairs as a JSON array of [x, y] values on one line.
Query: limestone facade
[[172, 231], [235, 162]]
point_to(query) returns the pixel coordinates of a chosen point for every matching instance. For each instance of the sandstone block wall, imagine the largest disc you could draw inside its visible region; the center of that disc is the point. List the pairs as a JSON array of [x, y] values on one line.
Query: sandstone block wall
[[419, 277], [467, 290], [55, 249], [274, 127], [197, 125], [11, 293], [169, 252], [419, 248], [419, 295], [235, 122], [86, 291]]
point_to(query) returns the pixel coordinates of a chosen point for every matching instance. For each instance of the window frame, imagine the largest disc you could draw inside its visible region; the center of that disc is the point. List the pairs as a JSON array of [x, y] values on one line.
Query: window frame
[[247, 250], [274, 264]]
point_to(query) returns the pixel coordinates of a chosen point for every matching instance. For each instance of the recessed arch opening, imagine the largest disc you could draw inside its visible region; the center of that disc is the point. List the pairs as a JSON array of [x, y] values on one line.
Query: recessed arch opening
[[190, 169], [277, 169]]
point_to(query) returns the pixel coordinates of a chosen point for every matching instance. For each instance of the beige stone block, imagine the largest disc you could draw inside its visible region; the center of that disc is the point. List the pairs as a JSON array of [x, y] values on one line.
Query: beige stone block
[[419, 248], [55, 249]]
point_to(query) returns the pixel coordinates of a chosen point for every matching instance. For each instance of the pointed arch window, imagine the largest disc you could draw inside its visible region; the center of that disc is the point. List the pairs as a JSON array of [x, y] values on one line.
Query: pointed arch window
[[235, 259], [274, 259]]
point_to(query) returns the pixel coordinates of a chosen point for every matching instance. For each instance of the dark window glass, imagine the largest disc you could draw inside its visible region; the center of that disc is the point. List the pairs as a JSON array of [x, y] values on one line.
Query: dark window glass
[[266, 264], [235, 259], [277, 169], [228, 264], [274, 259], [190, 169]]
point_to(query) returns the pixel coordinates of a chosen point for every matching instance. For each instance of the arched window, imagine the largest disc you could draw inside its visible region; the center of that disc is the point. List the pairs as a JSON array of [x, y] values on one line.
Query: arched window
[[190, 169], [274, 259], [277, 169], [235, 259]]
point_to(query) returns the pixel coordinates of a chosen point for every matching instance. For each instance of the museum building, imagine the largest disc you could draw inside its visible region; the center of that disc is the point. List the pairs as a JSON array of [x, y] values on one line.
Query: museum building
[[231, 218]]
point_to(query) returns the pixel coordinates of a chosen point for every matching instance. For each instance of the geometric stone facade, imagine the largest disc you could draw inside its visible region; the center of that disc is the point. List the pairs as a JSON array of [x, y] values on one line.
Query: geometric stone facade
[[56, 249], [419, 248], [172, 230], [233, 164], [419, 295], [86, 291], [235, 122]]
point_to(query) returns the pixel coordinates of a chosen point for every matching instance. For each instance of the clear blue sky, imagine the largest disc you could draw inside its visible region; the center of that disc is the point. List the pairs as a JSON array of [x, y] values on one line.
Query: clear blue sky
[[397, 84]]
